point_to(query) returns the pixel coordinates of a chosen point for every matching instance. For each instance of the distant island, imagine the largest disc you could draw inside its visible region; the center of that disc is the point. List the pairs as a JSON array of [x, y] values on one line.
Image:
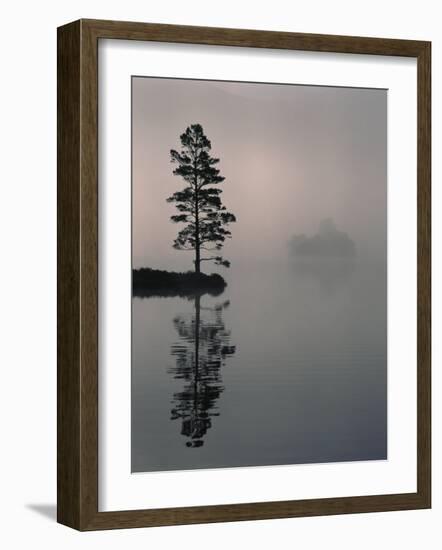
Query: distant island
[[148, 282], [329, 242]]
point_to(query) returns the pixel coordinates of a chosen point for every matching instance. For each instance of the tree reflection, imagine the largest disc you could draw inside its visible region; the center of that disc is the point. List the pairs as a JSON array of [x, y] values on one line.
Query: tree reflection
[[199, 355]]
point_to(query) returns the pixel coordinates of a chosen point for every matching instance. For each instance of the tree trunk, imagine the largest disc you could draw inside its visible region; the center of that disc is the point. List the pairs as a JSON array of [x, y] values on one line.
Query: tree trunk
[[197, 260], [197, 231], [197, 240]]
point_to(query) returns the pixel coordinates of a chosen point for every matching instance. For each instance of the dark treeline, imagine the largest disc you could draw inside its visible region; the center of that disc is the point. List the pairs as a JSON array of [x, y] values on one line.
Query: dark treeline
[[148, 282]]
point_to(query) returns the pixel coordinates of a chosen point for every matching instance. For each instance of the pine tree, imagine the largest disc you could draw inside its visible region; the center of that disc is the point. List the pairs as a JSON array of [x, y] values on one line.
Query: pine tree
[[199, 203]]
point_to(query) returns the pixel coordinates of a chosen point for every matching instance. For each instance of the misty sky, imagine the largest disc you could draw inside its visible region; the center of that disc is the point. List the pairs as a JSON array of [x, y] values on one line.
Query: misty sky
[[291, 155]]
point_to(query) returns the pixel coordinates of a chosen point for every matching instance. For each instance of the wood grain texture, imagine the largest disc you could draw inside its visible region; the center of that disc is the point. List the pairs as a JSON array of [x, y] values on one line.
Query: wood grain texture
[[252, 38], [89, 277], [424, 274], [68, 275], [78, 274]]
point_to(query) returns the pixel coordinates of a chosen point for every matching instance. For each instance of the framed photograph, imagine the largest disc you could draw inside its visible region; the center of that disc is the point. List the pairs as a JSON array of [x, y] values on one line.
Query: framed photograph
[[243, 274]]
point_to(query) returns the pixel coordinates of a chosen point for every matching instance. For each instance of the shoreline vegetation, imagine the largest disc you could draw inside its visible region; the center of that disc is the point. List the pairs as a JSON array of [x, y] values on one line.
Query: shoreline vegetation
[[147, 282]]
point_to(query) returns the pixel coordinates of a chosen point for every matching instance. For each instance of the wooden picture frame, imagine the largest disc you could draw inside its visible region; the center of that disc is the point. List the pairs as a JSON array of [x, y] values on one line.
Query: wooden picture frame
[[78, 274]]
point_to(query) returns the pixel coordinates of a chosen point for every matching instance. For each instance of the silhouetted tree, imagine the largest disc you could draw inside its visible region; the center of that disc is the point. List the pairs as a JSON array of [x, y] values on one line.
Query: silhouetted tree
[[199, 203]]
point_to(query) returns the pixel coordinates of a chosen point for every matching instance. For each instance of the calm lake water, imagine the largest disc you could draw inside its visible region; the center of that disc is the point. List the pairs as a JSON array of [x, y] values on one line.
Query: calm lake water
[[288, 365]]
